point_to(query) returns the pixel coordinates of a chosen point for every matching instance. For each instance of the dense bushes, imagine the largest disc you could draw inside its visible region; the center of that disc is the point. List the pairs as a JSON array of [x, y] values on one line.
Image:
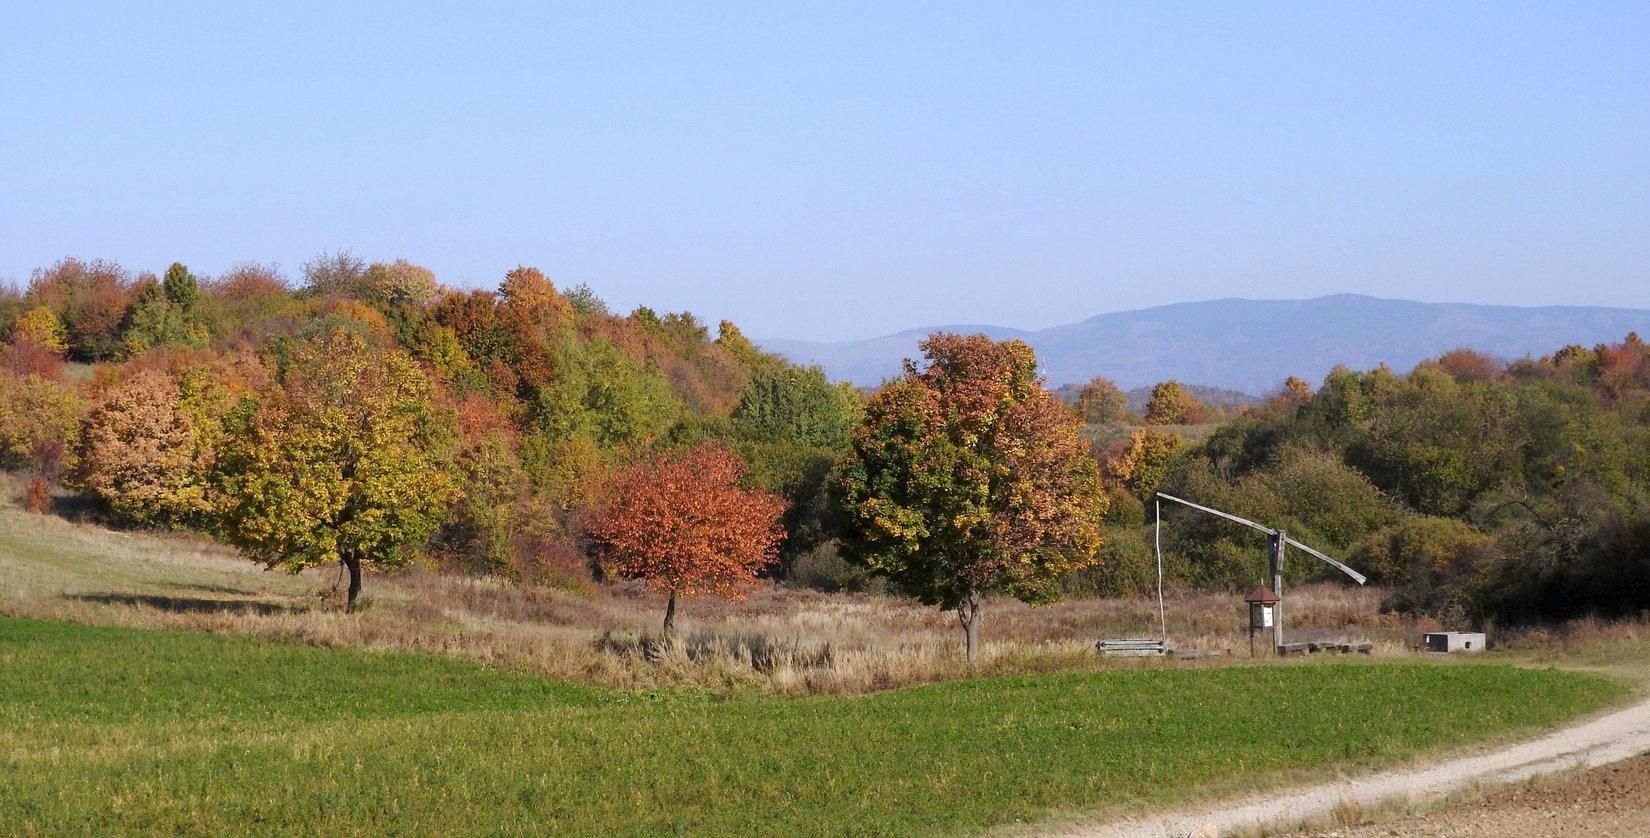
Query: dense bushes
[[1470, 487]]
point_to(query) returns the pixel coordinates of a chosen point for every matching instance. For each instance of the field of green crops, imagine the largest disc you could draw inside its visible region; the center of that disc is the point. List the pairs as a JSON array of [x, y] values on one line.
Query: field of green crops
[[111, 730]]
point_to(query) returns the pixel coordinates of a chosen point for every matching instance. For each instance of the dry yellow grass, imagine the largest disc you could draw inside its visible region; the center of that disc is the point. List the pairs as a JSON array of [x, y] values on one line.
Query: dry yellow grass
[[779, 639]]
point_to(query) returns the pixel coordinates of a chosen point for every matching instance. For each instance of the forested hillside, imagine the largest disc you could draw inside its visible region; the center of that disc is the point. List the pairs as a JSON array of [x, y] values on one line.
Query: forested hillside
[[365, 413]]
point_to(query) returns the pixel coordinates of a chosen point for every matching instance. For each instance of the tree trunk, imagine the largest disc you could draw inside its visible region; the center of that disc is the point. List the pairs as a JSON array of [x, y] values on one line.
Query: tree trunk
[[968, 612], [353, 562], [670, 619]]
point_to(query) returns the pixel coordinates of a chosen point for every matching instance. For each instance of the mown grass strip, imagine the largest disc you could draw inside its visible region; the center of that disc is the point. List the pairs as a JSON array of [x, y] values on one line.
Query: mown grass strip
[[216, 734]]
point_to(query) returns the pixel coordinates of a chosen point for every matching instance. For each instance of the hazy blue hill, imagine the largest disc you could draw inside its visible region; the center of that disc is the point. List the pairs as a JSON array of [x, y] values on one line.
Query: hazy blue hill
[[1252, 345], [870, 361]]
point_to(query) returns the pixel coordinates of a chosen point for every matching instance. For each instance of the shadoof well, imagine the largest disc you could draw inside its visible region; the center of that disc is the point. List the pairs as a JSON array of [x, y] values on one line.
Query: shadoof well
[[1276, 541]]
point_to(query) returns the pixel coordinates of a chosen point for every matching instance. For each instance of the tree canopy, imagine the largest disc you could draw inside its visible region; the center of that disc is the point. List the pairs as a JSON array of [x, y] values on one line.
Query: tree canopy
[[1172, 404], [967, 477], [686, 523], [343, 460]]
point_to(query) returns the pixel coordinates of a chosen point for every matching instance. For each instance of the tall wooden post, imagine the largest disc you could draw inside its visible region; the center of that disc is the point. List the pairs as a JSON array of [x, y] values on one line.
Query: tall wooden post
[[1275, 560]]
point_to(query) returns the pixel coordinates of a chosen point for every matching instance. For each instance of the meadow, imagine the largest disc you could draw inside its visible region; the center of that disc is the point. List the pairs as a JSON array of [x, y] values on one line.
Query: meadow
[[779, 640], [113, 730], [161, 684]]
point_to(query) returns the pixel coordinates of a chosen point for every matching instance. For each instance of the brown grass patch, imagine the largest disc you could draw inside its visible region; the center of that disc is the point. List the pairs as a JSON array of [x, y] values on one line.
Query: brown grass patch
[[778, 639]]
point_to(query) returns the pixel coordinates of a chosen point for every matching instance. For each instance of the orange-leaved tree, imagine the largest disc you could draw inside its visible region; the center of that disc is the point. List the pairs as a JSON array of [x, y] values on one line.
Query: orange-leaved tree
[[144, 453], [686, 522]]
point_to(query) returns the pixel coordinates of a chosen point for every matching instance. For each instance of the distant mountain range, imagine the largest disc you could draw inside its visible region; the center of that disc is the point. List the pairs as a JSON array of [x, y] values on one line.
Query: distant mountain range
[[1251, 345]]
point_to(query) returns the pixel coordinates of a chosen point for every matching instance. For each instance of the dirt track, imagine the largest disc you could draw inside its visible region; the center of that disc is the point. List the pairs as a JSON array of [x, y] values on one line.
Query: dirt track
[[1607, 802], [1612, 738]]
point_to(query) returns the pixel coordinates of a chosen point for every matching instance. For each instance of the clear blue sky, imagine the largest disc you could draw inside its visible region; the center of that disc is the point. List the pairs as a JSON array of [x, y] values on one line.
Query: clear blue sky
[[833, 170]]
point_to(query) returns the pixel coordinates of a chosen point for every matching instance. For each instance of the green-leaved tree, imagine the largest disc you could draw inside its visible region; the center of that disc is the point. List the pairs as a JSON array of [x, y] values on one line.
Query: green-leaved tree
[[968, 477]]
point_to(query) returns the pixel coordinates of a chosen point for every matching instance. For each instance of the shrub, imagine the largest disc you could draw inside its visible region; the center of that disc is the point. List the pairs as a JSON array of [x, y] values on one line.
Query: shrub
[[1425, 560], [37, 496], [1127, 566], [824, 569]]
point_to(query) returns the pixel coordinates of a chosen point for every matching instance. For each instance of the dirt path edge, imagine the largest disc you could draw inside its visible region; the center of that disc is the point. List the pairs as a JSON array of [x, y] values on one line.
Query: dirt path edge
[[1620, 735]]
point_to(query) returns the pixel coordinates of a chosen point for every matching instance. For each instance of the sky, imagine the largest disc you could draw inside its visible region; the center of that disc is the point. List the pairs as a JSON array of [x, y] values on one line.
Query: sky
[[829, 171]]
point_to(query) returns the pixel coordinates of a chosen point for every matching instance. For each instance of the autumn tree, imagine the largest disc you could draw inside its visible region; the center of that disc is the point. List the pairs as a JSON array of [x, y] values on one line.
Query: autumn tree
[[90, 299], [1285, 401], [23, 357], [1102, 402], [142, 453], [344, 460], [685, 523], [1171, 404], [486, 514], [149, 445], [39, 419], [41, 327], [740, 347], [968, 477], [337, 272], [1466, 365], [247, 302], [530, 295], [397, 283], [1143, 465], [473, 317]]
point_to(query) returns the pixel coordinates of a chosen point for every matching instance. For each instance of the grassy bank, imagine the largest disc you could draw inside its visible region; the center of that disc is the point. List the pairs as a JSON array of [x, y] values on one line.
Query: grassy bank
[[779, 640], [109, 730]]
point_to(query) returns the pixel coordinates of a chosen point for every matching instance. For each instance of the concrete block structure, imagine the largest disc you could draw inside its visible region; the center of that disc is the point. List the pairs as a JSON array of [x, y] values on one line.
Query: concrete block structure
[[1455, 641]]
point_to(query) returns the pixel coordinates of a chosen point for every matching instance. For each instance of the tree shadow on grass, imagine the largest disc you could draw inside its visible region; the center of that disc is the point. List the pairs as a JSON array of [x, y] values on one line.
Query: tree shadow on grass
[[203, 589], [191, 605]]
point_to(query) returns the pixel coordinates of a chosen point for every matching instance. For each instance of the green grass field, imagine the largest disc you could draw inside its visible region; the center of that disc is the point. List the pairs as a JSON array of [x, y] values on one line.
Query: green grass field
[[114, 731]]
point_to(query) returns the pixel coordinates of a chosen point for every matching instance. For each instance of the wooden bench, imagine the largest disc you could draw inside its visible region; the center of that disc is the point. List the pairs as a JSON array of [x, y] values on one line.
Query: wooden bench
[[1314, 646], [1133, 648]]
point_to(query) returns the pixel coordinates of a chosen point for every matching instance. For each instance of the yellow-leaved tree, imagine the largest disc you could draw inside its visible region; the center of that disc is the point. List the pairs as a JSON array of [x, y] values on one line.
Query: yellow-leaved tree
[[344, 459]]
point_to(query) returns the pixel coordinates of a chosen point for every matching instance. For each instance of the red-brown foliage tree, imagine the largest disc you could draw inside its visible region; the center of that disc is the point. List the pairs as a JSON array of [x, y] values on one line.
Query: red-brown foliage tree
[[1102, 402], [90, 298], [248, 281], [686, 523], [1285, 401], [1465, 365], [22, 357]]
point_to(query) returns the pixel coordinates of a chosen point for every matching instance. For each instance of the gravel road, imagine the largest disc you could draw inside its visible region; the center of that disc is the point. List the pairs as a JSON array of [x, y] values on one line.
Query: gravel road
[[1618, 736]]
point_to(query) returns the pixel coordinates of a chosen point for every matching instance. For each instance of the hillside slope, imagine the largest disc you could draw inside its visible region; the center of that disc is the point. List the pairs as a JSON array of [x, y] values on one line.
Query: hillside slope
[[1252, 345]]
